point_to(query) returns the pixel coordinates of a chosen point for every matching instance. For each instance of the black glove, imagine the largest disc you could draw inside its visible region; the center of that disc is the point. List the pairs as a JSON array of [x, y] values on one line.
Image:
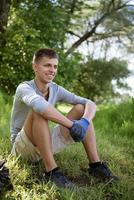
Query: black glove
[[79, 129]]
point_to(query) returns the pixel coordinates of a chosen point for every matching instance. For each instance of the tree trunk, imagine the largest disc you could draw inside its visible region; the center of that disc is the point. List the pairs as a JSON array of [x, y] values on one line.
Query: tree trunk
[[4, 10]]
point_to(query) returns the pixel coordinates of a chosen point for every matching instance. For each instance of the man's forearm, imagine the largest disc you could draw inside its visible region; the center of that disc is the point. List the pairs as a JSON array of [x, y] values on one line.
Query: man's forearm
[[54, 115], [90, 109]]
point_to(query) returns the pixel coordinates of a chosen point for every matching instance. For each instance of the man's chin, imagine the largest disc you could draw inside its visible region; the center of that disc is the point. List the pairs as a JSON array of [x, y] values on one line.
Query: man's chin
[[48, 81]]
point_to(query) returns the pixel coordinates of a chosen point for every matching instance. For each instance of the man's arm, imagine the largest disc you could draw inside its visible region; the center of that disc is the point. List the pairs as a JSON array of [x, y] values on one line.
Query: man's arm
[[54, 115], [79, 127], [90, 110], [40, 105], [64, 95], [37, 103]]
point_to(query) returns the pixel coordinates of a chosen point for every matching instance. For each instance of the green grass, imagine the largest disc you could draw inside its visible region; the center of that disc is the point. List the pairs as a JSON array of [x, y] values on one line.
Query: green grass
[[115, 139]]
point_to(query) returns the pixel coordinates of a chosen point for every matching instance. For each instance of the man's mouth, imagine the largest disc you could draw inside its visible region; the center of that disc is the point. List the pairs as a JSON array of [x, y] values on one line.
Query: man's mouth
[[50, 75]]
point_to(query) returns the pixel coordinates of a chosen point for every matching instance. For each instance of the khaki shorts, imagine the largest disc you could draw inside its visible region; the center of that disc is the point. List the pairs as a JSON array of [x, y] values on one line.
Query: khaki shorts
[[24, 147]]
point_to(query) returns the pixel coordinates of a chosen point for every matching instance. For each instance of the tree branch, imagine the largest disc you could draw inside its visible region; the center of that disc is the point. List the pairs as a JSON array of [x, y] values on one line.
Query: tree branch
[[96, 24], [87, 34], [72, 33], [105, 36]]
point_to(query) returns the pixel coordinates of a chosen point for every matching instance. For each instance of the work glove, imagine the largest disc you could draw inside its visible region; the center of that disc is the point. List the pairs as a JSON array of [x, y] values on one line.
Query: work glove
[[79, 129]]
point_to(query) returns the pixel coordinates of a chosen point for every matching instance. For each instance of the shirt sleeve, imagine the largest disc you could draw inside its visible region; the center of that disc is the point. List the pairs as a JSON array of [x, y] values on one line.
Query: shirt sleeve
[[27, 95], [69, 97]]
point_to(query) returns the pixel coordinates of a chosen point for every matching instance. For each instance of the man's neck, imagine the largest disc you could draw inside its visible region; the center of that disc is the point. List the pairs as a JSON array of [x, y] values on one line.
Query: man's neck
[[41, 86]]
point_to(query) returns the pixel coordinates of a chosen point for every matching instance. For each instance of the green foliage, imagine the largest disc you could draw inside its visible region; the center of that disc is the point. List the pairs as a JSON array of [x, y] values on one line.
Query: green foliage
[[5, 109], [94, 78], [67, 70], [117, 119], [122, 118], [104, 21], [27, 32]]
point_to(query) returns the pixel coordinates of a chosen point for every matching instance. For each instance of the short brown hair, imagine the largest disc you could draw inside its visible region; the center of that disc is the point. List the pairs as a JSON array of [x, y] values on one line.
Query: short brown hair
[[50, 53]]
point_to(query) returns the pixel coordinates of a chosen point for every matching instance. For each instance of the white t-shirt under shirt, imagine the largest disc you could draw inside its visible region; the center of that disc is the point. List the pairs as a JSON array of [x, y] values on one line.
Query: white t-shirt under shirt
[[28, 96]]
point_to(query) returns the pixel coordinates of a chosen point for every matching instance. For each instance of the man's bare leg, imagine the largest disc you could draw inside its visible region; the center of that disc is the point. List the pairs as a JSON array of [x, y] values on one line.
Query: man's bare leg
[[90, 144], [37, 130], [96, 168], [90, 140]]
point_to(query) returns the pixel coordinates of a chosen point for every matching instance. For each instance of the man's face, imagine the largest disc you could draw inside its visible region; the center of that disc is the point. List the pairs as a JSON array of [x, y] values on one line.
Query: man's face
[[45, 69]]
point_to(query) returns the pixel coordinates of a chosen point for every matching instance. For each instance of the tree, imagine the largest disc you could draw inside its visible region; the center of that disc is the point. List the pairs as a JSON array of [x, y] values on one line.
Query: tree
[[107, 19], [25, 33], [47, 23], [95, 77], [4, 10]]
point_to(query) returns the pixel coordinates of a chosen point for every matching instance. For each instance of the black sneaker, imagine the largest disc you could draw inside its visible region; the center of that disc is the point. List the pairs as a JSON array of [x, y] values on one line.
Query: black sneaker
[[60, 180], [102, 172]]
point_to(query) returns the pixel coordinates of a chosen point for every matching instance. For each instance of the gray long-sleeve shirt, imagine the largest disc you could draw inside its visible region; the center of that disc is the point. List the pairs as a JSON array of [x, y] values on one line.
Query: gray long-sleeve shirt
[[28, 96]]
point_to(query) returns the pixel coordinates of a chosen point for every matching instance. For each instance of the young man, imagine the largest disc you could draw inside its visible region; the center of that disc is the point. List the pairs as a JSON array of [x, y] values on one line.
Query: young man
[[33, 108]]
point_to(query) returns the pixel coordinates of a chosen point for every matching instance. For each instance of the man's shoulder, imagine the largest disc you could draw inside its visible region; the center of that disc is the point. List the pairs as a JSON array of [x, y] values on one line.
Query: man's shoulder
[[31, 82], [26, 83], [54, 85], [23, 85]]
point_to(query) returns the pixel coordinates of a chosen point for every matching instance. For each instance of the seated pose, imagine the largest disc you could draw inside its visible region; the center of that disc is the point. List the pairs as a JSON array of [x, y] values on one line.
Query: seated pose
[[33, 108]]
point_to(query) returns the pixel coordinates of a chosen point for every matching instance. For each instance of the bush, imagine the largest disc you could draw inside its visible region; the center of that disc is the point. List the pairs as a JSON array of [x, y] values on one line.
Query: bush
[[117, 119]]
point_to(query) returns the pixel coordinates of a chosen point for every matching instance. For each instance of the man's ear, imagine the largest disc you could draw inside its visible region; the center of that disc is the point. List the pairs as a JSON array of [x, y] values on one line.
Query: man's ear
[[34, 66]]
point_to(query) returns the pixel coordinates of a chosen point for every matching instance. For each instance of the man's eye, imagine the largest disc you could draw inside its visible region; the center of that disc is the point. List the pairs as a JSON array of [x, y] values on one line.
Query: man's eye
[[48, 65]]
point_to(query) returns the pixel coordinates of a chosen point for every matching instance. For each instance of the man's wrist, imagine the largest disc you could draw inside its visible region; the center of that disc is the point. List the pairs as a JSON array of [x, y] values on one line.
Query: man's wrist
[[71, 124], [79, 129], [86, 120]]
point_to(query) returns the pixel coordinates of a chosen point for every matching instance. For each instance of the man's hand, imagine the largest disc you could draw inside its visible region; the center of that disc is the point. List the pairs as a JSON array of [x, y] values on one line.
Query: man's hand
[[79, 129]]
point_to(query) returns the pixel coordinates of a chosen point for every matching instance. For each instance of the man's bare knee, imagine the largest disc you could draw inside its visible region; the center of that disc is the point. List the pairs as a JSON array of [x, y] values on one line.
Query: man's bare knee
[[33, 119], [38, 117], [79, 109], [76, 112]]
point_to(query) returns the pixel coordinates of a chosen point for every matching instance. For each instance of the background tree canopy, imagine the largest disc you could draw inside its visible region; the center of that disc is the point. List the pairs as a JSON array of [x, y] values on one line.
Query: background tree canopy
[[65, 25]]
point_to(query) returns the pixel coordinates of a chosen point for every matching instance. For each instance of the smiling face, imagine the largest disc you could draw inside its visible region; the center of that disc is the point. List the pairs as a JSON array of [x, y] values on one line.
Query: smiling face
[[45, 69]]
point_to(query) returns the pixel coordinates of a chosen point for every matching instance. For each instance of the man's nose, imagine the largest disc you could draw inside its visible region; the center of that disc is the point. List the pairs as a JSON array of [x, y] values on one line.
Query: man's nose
[[52, 68]]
